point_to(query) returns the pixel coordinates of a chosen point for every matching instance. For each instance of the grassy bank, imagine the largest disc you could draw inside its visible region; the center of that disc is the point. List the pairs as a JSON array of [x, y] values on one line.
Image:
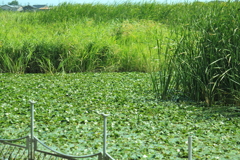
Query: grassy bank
[[139, 126]]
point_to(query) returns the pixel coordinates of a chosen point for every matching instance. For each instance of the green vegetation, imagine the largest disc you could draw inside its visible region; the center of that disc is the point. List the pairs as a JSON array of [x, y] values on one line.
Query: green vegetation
[[70, 39], [13, 3], [139, 126], [194, 45], [190, 51], [208, 54]]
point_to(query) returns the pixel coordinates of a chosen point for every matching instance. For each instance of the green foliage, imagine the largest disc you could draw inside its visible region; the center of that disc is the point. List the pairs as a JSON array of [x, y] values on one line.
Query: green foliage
[[208, 55], [164, 80], [202, 63], [139, 126], [15, 2], [75, 46], [190, 48]]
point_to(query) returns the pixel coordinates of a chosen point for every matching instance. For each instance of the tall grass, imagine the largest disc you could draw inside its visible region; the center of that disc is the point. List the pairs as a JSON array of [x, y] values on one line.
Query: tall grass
[[163, 74], [192, 48], [77, 44], [209, 53]]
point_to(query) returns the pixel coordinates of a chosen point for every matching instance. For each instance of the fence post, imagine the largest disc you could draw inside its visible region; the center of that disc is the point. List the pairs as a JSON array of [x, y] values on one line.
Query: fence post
[[190, 148], [104, 135], [31, 141]]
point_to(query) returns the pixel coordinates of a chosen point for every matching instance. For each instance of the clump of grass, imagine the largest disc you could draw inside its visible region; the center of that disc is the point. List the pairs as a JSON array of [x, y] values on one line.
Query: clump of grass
[[208, 59], [205, 59]]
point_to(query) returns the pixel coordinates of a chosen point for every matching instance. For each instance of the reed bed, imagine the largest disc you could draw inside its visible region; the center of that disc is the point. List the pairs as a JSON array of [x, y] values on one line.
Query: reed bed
[[189, 48]]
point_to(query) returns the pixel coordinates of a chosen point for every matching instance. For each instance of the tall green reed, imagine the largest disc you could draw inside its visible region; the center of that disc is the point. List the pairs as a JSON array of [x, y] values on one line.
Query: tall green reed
[[208, 59], [162, 75]]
